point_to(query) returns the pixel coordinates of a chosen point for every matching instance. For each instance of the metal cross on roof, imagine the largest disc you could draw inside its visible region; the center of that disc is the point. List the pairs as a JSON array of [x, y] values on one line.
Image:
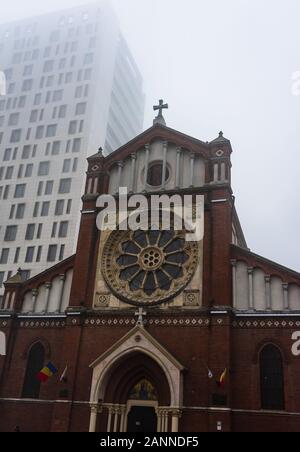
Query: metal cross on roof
[[159, 118], [160, 107]]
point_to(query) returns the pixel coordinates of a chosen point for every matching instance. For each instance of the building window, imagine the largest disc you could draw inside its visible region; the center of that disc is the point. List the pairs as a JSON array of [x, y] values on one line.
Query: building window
[[76, 145], [20, 211], [29, 170], [13, 119], [28, 70], [48, 66], [15, 136], [80, 108], [39, 254], [1, 278], [34, 116], [52, 251], [36, 208], [55, 148], [35, 363], [7, 155], [51, 130], [9, 172], [87, 74], [64, 186], [44, 169], [30, 232], [26, 152], [88, 58], [37, 99], [58, 95], [4, 256], [62, 111], [72, 127], [29, 254], [27, 85], [17, 255], [59, 208], [45, 209], [11, 233], [39, 132], [62, 252], [68, 77], [271, 379], [49, 187], [67, 166], [20, 191], [63, 229], [39, 231], [54, 228]]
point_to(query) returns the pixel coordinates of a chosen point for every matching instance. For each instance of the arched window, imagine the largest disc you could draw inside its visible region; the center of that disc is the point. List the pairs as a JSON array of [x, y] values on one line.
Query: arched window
[[35, 362], [271, 378]]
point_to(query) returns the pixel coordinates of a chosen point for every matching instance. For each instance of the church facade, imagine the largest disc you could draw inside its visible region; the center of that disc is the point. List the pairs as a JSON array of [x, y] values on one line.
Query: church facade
[[149, 332]]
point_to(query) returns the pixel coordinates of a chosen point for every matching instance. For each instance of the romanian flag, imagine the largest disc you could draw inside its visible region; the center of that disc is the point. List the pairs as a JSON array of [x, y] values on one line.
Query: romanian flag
[[221, 381], [47, 372]]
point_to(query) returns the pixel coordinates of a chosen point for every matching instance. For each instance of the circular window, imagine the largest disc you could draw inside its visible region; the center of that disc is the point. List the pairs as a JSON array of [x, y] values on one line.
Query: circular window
[[148, 267], [155, 175]]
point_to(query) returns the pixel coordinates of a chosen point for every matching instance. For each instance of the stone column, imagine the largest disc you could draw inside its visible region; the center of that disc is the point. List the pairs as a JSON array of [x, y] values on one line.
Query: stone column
[[176, 414], [216, 172], [122, 422], [223, 172], [251, 298], [147, 147], [286, 300], [12, 301], [234, 265], [35, 293], [109, 419], [93, 418], [192, 169], [120, 170], [62, 279], [116, 412], [164, 170], [165, 419], [159, 419], [177, 181], [133, 165], [48, 286], [268, 293]]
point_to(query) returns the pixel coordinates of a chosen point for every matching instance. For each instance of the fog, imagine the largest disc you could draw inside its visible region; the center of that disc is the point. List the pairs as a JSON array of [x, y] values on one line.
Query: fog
[[224, 65]]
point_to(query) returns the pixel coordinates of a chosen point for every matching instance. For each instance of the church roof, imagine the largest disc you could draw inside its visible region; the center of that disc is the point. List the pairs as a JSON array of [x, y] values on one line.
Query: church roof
[[15, 279], [159, 130], [220, 139]]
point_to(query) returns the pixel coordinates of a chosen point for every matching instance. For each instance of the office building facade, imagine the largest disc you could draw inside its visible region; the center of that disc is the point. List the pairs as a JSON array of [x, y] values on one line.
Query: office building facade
[[71, 86]]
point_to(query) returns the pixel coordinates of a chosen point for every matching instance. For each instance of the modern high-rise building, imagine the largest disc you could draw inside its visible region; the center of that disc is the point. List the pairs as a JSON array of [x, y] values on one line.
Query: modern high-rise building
[[72, 85]]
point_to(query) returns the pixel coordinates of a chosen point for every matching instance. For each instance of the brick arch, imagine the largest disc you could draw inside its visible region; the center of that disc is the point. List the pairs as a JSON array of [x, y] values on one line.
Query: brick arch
[[44, 343], [129, 371], [264, 344]]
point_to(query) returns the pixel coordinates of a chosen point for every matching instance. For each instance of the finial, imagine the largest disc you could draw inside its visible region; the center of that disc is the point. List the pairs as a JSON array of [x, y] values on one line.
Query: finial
[[221, 134], [159, 118], [140, 314], [100, 152]]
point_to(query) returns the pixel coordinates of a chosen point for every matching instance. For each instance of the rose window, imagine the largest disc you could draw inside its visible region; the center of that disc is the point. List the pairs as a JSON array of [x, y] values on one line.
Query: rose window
[[148, 267]]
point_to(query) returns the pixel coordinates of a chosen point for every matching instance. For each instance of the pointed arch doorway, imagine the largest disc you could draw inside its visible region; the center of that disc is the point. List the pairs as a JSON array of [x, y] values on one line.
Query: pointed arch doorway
[[136, 386]]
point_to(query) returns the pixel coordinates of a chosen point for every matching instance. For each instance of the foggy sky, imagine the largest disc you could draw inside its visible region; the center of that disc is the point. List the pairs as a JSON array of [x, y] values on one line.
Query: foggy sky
[[224, 65]]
